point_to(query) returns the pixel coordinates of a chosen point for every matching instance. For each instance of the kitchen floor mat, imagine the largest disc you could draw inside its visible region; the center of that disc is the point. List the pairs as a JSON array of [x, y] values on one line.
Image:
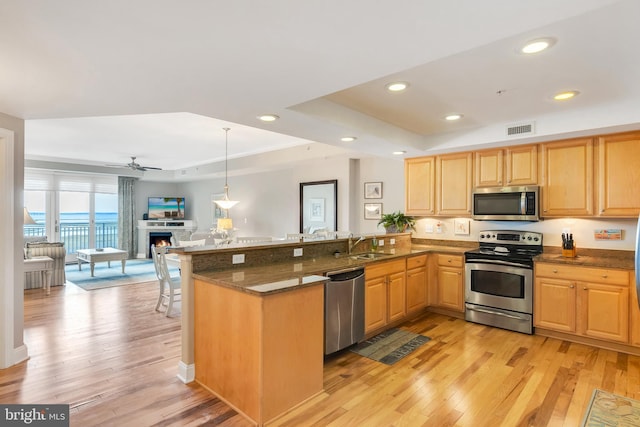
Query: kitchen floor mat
[[608, 409], [390, 346]]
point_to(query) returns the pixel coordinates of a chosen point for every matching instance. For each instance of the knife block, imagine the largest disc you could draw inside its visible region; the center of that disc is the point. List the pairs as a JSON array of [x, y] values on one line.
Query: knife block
[[569, 253]]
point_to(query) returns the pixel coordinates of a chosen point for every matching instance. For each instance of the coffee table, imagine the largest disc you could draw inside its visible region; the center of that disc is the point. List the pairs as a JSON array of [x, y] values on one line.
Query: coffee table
[[100, 255]]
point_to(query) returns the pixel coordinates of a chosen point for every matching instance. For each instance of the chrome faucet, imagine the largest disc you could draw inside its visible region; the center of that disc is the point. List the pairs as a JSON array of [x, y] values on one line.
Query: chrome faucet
[[353, 245]]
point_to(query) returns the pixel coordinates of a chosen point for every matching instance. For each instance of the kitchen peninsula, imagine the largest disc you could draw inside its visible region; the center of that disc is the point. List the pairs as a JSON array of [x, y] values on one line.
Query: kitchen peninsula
[[252, 333]]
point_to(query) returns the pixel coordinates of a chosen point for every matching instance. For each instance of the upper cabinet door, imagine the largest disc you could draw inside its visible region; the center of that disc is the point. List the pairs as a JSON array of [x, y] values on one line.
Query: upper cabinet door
[[454, 181], [488, 168], [419, 174], [618, 175], [521, 165], [567, 178], [512, 166]]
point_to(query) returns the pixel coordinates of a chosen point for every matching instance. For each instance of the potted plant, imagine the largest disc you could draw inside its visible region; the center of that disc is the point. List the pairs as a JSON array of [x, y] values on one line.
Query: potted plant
[[397, 222]]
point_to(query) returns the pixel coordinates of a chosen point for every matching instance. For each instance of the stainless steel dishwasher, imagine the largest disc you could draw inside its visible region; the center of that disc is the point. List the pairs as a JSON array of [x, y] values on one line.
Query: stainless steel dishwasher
[[343, 309]]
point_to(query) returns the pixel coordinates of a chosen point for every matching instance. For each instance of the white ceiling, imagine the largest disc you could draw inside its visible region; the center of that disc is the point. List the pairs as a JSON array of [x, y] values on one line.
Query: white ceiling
[[98, 82]]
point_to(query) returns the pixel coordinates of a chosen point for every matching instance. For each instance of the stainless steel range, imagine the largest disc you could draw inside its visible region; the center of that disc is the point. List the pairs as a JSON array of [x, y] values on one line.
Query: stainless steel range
[[499, 279]]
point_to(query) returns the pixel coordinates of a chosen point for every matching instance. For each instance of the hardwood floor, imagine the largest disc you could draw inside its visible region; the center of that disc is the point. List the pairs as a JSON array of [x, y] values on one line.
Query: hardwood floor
[[114, 360]]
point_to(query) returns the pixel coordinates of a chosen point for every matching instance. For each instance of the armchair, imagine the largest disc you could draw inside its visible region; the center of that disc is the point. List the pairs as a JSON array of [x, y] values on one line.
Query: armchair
[[54, 250]]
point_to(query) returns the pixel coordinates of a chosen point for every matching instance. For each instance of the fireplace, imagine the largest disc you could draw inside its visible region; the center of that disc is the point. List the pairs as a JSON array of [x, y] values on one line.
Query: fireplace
[[159, 238]]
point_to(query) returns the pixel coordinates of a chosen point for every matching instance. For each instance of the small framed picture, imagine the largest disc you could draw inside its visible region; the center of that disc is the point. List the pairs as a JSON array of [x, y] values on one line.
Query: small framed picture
[[372, 210], [373, 190]]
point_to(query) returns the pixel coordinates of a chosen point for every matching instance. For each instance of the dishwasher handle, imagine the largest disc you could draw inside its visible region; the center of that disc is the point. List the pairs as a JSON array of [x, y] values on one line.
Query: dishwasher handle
[[343, 276]]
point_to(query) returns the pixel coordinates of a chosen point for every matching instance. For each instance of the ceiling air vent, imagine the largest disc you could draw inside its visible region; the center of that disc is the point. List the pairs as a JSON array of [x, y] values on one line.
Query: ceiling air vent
[[521, 129]]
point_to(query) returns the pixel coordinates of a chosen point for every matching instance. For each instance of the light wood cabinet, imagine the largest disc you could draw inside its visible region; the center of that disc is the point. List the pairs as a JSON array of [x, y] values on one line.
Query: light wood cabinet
[[419, 174], [449, 282], [590, 302], [385, 294], [618, 174], [567, 178], [417, 291], [454, 181], [512, 166]]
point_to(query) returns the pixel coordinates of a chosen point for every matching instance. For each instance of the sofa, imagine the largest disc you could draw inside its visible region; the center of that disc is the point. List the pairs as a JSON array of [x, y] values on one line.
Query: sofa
[[54, 250]]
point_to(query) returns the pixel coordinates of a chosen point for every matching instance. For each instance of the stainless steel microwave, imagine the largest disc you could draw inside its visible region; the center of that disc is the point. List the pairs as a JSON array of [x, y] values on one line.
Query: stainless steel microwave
[[506, 203]]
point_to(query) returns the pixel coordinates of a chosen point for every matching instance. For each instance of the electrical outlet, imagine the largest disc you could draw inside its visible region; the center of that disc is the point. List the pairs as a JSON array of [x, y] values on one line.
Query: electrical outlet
[[237, 259], [297, 266], [428, 228], [297, 252], [392, 241], [380, 242]]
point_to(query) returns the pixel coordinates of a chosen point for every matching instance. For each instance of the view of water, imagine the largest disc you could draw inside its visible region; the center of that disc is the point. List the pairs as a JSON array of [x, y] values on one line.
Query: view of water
[[77, 217]]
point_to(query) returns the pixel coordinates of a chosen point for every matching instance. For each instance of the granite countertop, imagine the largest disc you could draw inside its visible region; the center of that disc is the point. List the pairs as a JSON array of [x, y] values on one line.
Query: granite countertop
[[284, 276], [620, 261]]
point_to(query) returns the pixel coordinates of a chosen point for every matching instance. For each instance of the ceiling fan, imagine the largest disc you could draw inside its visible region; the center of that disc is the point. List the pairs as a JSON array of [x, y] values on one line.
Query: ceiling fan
[[135, 166]]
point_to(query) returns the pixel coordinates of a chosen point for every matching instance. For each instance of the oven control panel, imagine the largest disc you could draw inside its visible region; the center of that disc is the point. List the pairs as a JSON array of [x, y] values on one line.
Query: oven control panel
[[511, 237]]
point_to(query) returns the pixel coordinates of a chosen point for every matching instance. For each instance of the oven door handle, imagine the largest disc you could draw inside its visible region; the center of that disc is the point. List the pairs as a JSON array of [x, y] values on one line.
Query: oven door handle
[[499, 262], [497, 313]]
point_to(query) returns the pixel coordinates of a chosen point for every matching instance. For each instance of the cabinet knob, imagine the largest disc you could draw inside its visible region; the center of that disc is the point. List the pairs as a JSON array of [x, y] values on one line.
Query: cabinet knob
[[449, 260], [544, 210], [459, 273], [604, 276], [555, 271], [499, 182], [572, 286], [585, 288], [602, 211]]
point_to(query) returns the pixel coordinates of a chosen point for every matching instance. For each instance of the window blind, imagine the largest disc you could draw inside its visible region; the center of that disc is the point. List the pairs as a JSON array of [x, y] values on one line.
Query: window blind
[[35, 180]]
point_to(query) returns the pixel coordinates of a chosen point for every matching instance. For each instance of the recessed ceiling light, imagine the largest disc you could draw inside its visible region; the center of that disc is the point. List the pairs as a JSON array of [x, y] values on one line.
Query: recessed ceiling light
[[348, 138], [538, 45], [399, 153], [453, 117], [268, 117], [397, 86], [563, 96]]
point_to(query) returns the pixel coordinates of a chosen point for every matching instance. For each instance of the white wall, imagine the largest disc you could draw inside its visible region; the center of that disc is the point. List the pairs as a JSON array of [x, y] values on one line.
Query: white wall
[[12, 347]]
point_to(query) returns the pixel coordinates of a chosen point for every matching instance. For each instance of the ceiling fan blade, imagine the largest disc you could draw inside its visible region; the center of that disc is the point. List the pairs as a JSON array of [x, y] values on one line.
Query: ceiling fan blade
[[150, 168]]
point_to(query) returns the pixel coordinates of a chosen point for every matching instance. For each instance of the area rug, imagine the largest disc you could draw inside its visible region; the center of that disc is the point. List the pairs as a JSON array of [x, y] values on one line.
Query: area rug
[[608, 409], [136, 271], [390, 346]]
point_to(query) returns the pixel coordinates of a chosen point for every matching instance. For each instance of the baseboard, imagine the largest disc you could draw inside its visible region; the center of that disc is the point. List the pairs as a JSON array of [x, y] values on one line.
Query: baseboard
[[186, 373], [20, 354]]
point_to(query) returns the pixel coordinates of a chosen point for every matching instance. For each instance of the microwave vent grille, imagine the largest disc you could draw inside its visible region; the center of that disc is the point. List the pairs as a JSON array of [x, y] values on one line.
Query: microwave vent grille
[[521, 129]]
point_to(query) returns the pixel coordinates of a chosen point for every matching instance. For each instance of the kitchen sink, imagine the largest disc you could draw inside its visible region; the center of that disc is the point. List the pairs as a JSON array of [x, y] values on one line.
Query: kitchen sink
[[372, 255]]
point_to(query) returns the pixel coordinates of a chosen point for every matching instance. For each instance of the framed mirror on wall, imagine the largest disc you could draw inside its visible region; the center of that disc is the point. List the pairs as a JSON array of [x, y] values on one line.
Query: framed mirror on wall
[[319, 206]]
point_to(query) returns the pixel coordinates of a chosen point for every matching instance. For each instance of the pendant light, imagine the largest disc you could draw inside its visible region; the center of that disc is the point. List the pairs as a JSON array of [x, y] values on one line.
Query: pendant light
[[225, 203]]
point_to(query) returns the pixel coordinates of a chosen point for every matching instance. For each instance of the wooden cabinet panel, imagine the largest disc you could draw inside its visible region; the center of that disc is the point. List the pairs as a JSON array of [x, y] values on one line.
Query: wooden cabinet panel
[[450, 284], [420, 186], [618, 175], [511, 166], [567, 178], [604, 312], [586, 301], [385, 293], [488, 168], [555, 304], [417, 291], [454, 184], [375, 308], [521, 165], [397, 296]]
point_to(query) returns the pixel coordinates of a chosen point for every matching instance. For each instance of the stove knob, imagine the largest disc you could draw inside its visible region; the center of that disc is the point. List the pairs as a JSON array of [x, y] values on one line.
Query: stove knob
[[482, 236], [536, 239], [529, 238]]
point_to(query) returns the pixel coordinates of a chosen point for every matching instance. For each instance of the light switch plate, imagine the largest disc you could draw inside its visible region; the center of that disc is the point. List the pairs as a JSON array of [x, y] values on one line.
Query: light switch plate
[[237, 259], [297, 252]]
